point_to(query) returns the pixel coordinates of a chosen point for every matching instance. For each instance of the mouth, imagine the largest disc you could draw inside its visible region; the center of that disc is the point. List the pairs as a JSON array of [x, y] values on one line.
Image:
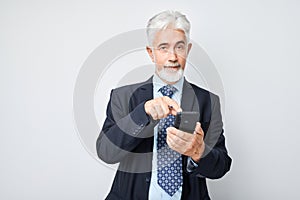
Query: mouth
[[175, 66]]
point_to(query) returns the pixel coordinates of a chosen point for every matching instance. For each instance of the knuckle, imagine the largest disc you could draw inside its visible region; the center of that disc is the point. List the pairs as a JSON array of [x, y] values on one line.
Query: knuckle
[[154, 116], [188, 149], [194, 140], [160, 115], [170, 143]]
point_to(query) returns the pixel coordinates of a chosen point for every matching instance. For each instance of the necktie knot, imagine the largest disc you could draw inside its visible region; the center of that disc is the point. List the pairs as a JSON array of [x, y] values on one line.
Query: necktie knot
[[168, 90]]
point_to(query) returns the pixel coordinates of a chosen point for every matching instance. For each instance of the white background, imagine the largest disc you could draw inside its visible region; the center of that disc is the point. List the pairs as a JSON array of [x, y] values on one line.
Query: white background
[[254, 44]]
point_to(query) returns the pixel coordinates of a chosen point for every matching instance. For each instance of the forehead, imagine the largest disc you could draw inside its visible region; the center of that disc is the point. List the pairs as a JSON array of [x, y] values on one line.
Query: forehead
[[169, 36]]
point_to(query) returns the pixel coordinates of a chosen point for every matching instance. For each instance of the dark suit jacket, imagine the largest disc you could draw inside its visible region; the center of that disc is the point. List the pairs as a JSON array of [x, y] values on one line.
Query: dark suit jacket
[[127, 138]]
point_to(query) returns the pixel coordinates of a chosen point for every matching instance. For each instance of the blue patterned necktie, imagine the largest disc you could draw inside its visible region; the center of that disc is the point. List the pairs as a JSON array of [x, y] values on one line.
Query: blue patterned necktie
[[169, 164]]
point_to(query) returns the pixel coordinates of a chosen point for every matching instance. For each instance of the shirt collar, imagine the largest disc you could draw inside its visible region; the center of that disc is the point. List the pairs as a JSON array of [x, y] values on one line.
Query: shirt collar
[[159, 83]]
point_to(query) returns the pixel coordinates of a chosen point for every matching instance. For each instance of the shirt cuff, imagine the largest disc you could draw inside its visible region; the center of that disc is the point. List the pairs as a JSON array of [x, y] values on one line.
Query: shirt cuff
[[191, 165]]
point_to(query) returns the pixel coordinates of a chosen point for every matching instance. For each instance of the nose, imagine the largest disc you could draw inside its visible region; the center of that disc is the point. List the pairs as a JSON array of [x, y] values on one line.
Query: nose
[[172, 56]]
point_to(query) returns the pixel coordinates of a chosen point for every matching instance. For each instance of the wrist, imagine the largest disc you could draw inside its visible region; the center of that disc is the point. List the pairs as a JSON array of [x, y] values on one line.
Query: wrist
[[196, 158]]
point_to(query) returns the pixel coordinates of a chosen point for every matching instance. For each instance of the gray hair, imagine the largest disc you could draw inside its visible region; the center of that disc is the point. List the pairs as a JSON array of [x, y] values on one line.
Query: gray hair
[[167, 18]]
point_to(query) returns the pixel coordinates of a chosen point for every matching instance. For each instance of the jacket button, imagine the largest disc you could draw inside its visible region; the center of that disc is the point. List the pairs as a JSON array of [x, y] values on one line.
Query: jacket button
[[147, 180]]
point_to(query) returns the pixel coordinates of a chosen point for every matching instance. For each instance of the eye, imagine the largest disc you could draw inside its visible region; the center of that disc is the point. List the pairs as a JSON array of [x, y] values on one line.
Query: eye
[[180, 47], [163, 49]]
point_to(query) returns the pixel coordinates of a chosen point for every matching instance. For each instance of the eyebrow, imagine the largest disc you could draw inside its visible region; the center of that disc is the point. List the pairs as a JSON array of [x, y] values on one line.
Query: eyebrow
[[180, 42], [165, 43]]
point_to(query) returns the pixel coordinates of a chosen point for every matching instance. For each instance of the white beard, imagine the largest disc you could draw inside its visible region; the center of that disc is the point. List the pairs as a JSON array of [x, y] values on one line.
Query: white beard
[[170, 76]]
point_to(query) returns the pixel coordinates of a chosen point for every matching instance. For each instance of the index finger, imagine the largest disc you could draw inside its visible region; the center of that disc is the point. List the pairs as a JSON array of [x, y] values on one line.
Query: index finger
[[173, 105]]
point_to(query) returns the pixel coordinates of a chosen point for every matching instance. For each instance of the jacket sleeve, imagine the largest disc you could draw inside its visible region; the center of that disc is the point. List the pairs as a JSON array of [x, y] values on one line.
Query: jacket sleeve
[[124, 128], [215, 161]]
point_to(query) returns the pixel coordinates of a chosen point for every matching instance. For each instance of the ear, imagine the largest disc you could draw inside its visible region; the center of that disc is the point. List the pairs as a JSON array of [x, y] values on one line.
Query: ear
[[150, 53], [189, 48]]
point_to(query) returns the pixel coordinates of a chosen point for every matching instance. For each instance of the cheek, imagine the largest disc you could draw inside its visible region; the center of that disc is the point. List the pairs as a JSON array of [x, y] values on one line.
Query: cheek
[[159, 58], [182, 62]]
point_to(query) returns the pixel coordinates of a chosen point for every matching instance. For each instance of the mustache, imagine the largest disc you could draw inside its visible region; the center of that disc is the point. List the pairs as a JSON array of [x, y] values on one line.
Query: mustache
[[176, 64]]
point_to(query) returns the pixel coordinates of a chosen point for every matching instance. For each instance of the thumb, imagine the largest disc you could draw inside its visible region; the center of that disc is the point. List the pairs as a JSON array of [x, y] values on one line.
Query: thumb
[[198, 128]]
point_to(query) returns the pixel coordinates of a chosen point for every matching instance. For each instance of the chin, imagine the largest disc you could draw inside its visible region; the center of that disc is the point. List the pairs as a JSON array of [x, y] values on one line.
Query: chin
[[170, 75]]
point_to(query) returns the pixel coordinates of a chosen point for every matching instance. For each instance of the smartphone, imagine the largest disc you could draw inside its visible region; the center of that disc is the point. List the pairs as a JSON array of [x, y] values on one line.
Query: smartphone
[[186, 121]]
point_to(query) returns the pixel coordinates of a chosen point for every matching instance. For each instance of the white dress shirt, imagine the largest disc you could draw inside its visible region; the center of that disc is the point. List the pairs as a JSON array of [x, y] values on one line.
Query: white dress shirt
[[155, 191]]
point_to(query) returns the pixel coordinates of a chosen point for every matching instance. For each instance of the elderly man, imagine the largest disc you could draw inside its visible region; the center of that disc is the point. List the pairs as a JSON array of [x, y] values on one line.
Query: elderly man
[[157, 160]]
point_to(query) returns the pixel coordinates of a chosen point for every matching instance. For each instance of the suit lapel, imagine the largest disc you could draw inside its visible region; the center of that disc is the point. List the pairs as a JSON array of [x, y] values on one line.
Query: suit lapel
[[147, 90], [188, 99], [143, 93]]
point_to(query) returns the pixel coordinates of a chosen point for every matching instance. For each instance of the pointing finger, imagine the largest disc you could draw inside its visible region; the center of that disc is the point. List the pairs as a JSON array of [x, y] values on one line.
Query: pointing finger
[[172, 104]]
